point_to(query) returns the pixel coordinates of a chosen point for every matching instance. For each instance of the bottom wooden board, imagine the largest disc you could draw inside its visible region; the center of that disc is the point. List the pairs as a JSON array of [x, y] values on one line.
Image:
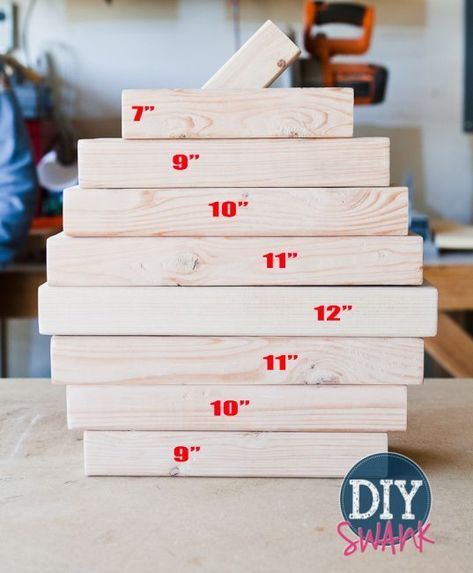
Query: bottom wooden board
[[238, 408], [236, 360], [227, 454]]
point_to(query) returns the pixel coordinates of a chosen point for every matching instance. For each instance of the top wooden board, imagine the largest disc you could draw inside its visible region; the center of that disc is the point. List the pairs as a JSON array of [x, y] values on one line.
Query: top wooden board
[[202, 114], [259, 62]]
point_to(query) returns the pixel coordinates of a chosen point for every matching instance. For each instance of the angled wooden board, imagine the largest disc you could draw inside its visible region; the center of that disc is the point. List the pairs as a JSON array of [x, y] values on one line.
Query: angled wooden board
[[406, 312], [234, 261], [235, 360], [240, 408], [124, 163], [251, 212], [259, 62], [256, 113], [227, 454]]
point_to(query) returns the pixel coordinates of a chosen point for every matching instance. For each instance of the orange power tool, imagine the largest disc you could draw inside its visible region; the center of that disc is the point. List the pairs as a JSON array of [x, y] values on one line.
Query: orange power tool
[[368, 81]]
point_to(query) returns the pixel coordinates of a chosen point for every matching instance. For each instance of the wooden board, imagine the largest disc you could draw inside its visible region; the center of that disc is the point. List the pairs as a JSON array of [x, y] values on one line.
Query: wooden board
[[406, 312], [235, 360], [268, 408], [259, 62], [227, 454], [262, 212], [274, 113], [450, 235], [123, 163], [217, 261]]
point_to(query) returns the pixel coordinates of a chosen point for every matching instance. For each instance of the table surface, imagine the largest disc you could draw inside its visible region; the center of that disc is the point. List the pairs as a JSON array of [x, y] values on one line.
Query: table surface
[[53, 519]]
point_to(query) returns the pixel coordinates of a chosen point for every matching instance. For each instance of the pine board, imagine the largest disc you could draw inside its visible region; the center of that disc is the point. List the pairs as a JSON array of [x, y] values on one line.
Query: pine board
[[269, 212], [259, 62], [235, 360], [123, 163], [270, 408], [256, 113], [232, 311], [234, 261], [450, 235], [227, 454]]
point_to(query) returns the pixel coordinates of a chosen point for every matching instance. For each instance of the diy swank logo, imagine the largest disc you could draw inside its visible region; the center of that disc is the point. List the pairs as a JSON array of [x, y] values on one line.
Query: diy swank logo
[[385, 501]]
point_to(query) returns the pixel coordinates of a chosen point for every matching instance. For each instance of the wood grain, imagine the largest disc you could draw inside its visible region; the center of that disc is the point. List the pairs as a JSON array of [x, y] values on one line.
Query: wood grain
[[270, 212], [256, 113], [235, 360], [123, 163], [271, 408], [228, 454], [233, 261], [259, 62], [406, 312]]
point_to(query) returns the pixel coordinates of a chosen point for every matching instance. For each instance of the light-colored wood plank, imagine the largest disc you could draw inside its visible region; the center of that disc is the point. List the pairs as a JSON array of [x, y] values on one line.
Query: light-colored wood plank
[[268, 408], [276, 113], [234, 261], [227, 454], [268, 212], [406, 312], [235, 360], [123, 163], [452, 348], [259, 62], [450, 235]]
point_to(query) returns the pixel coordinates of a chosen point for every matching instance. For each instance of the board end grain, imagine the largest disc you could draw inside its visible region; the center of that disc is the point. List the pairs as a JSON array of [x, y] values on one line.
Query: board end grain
[[259, 62]]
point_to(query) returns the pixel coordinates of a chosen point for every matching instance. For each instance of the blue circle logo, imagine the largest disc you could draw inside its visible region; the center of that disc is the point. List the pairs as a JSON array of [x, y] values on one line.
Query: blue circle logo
[[386, 492]]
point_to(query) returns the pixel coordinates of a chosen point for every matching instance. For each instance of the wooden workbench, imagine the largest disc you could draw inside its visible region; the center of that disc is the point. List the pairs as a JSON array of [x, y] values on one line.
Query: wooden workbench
[[53, 519], [452, 275]]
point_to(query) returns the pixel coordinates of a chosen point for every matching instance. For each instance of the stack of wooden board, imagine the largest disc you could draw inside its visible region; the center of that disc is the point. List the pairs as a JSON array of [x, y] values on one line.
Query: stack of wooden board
[[235, 293]]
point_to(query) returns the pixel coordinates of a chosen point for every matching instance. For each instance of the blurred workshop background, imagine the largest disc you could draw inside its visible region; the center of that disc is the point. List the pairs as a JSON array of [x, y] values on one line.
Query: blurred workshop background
[[63, 64]]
